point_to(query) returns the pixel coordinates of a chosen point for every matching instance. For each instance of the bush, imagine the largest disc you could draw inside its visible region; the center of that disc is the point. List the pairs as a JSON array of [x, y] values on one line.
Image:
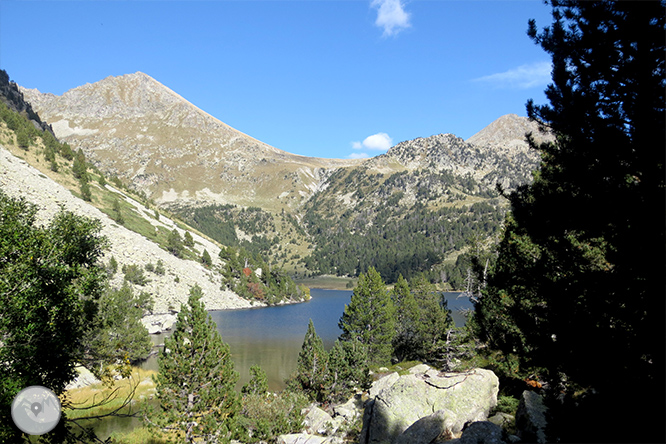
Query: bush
[[134, 274], [263, 417]]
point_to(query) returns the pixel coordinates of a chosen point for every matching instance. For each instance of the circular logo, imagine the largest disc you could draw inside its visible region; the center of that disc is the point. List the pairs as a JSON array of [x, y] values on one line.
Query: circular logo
[[36, 410]]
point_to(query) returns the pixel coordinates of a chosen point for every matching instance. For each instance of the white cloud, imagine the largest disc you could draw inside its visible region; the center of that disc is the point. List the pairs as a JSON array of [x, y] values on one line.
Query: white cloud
[[379, 141], [522, 77], [358, 156], [391, 16]]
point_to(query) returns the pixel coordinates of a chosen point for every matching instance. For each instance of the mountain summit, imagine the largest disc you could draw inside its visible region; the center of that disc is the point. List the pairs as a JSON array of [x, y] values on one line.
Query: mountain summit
[[136, 128]]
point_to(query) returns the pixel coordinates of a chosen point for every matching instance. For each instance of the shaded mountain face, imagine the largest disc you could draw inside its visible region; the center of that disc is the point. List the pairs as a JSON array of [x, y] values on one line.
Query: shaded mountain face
[[136, 128]]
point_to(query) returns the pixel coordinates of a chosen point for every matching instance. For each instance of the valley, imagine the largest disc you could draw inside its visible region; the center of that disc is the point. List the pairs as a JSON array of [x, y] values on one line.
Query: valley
[[424, 198]]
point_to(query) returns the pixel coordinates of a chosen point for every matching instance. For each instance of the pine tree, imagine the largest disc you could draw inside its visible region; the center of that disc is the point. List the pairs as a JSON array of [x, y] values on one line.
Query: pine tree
[[258, 383], [312, 371], [370, 317], [578, 287], [196, 379], [206, 259], [347, 369]]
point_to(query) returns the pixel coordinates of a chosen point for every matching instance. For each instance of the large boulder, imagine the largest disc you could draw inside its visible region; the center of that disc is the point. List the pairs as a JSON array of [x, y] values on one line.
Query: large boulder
[[429, 428], [317, 421], [531, 418], [304, 438], [467, 396], [482, 432]]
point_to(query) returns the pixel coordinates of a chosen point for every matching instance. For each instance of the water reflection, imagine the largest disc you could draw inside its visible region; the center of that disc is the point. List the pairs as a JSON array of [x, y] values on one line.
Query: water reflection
[[272, 337]]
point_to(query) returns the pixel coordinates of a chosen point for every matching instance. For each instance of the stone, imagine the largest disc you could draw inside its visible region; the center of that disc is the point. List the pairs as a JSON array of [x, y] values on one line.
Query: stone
[[350, 410], [382, 383], [304, 438], [531, 418], [469, 396], [428, 428], [481, 432], [503, 420], [317, 421], [83, 378]]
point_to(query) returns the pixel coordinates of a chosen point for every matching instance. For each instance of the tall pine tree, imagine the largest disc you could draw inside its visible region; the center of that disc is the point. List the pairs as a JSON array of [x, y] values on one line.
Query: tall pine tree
[[370, 317], [312, 372], [578, 288], [196, 379]]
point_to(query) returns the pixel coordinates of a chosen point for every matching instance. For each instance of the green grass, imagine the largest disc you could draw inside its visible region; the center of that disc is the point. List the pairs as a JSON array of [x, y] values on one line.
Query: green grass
[[328, 282]]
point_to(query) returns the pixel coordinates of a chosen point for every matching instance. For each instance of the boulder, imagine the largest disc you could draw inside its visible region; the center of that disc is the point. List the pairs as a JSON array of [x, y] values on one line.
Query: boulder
[[428, 428], [482, 432], [531, 418], [350, 410], [382, 383], [317, 421], [158, 323], [304, 438], [468, 396]]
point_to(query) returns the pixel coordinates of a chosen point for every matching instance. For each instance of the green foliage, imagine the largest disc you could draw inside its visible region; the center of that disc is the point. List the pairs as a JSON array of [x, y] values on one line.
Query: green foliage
[[395, 240], [117, 214], [85, 191], [579, 281], [206, 259], [271, 287], [134, 274], [347, 370], [175, 243], [50, 281], [312, 372], [196, 379], [370, 317], [80, 166], [118, 331], [112, 267], [188, 241], [159, 268], [263, 417], [423, 320], [258, 383]]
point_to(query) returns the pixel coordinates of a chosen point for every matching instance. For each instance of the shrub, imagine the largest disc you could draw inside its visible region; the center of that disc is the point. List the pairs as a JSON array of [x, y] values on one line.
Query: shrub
[[264, 417], [134, 274]]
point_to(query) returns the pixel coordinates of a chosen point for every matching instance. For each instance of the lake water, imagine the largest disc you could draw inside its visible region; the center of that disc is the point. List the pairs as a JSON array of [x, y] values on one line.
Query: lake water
[[272, 337]]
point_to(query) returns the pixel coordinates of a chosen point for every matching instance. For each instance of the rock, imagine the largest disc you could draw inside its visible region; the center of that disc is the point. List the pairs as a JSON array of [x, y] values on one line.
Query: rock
[[84, 378], [317, 421], [427, 429], [304, 438], [503, 420], [531, 418], [350, 410], [482, 432], [158, 323], [469, 396], [382, 383]]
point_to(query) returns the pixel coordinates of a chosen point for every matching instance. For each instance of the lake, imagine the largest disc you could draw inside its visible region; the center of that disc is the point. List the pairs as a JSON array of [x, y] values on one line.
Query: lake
[[272, 337]]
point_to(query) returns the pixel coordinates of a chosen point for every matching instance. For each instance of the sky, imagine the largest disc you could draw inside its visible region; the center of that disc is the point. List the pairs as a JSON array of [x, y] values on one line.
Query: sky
[[322, 78]]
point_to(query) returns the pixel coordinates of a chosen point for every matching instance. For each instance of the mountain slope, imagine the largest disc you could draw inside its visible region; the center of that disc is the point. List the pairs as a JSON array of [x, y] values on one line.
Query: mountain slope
[[136, 128]]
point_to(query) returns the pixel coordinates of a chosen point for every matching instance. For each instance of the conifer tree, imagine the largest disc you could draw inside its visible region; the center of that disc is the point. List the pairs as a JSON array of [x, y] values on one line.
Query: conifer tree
[[578, 287], [370, 317], [312, 370], [405, 341], [196, 379]]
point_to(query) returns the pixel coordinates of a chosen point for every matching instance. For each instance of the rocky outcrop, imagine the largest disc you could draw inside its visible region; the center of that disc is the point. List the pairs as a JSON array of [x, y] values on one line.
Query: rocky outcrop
[[531, 418], [456, 398], [11, 95], [158, 323]]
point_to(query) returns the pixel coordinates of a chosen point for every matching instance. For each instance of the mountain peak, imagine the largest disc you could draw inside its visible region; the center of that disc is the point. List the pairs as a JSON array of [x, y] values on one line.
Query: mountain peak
[[508, 132]]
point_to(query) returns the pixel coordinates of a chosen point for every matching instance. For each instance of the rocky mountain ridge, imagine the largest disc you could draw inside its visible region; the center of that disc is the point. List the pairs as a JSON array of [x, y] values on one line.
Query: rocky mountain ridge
[[138, 129]]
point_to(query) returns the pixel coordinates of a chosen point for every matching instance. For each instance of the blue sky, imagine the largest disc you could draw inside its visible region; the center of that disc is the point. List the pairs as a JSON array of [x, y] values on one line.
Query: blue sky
[[336, 78]]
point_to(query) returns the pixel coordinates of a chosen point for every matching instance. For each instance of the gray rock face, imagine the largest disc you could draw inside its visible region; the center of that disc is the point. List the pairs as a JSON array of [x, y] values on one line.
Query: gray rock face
[[158, 323], [427, 429], [467, 396], [317, 421], [304, 438], [482, 432], [531, 418]]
